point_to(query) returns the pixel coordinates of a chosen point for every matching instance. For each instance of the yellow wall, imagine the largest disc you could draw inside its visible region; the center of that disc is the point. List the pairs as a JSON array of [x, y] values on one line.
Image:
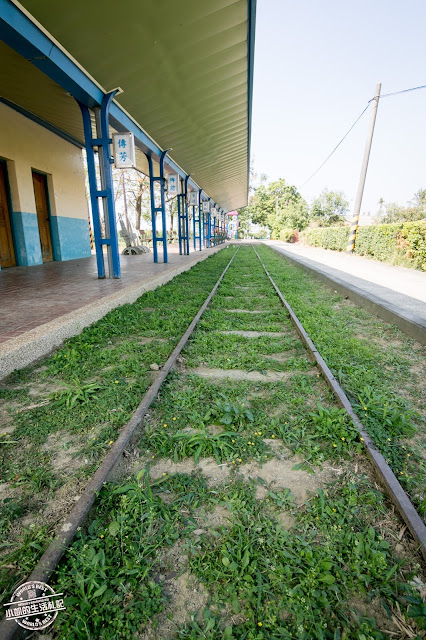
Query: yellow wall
[[26, 146]]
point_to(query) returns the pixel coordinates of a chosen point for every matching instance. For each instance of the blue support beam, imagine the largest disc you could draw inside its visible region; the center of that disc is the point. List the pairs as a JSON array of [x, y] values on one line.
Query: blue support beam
[[93, 188], [183, 223], [153, 180], [186, 216], [106, 191]]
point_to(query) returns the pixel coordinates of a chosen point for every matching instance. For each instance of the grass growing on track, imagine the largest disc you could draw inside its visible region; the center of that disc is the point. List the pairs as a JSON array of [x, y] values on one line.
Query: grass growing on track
[[377, 365], [70, 407], [272, 568]]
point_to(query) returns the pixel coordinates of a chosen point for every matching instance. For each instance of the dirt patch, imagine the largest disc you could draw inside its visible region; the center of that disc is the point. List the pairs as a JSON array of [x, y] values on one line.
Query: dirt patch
[[254, 334], [214, 472], [62, 451], [250, 376], [44, 389], [375, 610], [186, 596], [219, 517], [284, 356], [246, 311], [285, 520], [6, 425], [281, 473]]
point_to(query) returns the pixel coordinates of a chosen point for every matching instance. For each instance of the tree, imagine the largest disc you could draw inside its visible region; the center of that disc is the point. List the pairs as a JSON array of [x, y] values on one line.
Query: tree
[[278, 205], [329, 208], [394, 212]]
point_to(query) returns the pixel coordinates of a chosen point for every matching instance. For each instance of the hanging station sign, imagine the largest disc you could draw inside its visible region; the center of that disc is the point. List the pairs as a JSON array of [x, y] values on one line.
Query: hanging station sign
[[193, 198], [214, 211], [206, 206], [124, 150], [173, 184]]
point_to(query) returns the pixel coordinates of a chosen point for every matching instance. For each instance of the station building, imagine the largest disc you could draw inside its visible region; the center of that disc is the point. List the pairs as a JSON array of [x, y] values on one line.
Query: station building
[[178, 76]]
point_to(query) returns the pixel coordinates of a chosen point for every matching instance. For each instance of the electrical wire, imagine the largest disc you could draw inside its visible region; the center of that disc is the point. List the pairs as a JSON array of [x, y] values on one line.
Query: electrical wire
[[395, 93], [337, 145], [384, 95]]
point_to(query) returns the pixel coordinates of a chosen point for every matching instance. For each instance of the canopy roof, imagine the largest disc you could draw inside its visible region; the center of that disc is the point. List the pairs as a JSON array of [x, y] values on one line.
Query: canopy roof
[[185, 69]]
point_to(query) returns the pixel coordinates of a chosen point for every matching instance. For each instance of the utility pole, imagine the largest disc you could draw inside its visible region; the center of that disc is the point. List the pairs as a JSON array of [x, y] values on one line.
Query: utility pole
[[357, 210]]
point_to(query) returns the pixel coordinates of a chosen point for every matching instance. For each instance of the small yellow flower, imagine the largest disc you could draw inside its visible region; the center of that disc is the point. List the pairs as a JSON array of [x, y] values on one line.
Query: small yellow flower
[[334, 445], [401, 473], [233, 462], [389, 440], [174, 418], [255, 433], [244, 449], [318, 375], [111, 441], [239, 460], [408, 454], [4, 433], [102, 535], [260, 433], [260, 624], [334, 510], [164, 425], [272, 436], [233, 440], [362, 439], [116, 381], [153, 457], [164, 474], [365, 408], [343, 439]]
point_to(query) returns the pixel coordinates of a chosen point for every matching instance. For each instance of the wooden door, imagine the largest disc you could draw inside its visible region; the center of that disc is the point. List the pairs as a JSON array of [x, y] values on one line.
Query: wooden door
[[7, 254], [42, 207]]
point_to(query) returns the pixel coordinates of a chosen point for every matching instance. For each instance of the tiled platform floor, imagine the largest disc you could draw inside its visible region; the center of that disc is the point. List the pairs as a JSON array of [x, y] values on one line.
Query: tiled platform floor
[[33, 296]]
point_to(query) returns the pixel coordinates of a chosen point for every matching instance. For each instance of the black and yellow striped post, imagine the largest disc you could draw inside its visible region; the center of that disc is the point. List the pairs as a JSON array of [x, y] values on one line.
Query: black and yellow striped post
[[355, 220], [91, 235]]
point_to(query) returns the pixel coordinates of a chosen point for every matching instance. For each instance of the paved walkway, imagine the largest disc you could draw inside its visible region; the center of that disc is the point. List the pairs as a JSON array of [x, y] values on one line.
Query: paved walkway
[[396, 294], [43, 305]]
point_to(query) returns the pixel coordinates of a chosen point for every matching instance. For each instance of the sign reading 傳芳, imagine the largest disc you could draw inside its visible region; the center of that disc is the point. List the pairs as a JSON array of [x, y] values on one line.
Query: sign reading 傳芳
[[124, 150], [173, 184]]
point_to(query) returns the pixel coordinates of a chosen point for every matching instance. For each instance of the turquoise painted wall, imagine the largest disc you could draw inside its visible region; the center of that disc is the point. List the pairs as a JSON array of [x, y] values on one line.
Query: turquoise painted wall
[[26, 238], [70, 238]]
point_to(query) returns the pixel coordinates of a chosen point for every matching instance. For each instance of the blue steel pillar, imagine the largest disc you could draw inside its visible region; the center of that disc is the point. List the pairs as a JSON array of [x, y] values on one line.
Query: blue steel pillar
[[200, 224], [186, 217], [183, 218], [106, 192], [161, 209]]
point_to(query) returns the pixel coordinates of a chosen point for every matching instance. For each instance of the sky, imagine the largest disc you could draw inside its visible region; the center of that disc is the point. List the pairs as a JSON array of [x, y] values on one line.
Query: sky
[[317, 63]]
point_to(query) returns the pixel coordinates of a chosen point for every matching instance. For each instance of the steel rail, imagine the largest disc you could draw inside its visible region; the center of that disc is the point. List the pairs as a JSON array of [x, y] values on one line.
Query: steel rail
[[9, 629], [394, 489]]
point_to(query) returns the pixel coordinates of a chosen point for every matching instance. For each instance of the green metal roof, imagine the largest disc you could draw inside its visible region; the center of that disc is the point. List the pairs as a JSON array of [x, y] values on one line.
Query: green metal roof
[[185, 69]]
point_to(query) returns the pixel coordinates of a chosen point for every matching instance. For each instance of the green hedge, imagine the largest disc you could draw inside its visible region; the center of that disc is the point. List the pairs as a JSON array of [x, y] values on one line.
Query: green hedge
[[401, 243]]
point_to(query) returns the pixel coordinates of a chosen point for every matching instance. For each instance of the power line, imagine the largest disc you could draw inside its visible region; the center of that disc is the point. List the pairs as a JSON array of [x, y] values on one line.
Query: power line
[[385, 95], [337, 145], [395, 93]]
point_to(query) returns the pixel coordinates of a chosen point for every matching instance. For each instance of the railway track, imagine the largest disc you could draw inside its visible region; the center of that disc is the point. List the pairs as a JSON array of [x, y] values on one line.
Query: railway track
[[243, 344]]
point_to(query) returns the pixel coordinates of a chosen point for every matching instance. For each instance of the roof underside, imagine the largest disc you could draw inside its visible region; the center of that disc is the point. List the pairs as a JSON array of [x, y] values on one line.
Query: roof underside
[[183, 68]]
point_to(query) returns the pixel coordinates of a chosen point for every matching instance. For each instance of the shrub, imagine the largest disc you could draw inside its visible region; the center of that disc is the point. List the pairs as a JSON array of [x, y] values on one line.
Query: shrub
[[289, 235], [400, 243]]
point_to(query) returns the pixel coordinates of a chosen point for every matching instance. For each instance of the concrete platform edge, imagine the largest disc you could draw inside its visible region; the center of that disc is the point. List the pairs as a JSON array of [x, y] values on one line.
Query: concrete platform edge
[[29, 347], [412, 326]]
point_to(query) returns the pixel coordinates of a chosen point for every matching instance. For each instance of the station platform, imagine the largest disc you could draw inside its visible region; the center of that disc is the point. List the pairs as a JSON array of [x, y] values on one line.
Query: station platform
[[396, 294], [43, 305]]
